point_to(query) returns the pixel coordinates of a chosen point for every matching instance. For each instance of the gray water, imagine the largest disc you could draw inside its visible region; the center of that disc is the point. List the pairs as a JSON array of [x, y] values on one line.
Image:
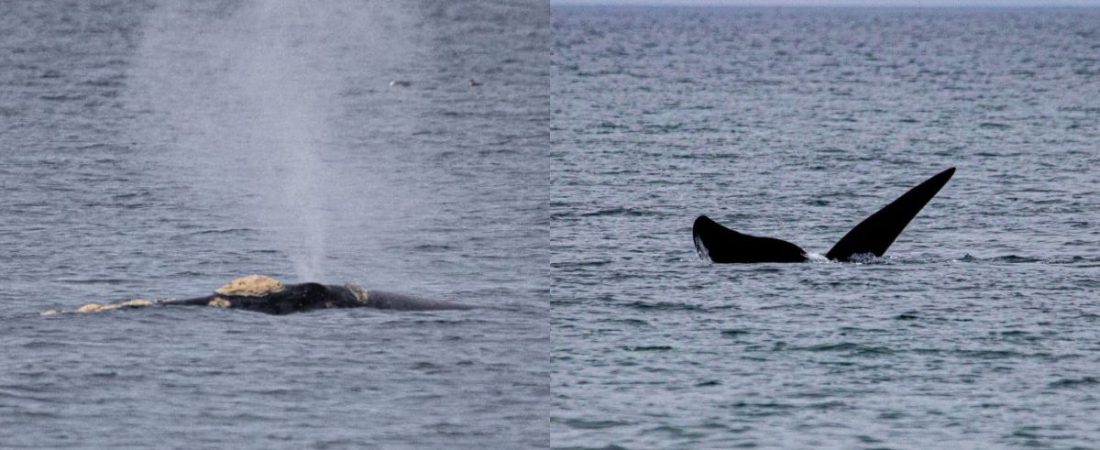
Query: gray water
[[159, 149], [979, 327]]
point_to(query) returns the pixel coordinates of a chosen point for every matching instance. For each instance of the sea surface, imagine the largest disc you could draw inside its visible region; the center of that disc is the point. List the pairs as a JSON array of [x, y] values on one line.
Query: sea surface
[[161, 148], [980, 328]]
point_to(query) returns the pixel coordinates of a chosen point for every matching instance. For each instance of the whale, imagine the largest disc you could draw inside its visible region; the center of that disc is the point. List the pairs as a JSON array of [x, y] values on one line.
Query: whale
[[872, 236], [267, 295]]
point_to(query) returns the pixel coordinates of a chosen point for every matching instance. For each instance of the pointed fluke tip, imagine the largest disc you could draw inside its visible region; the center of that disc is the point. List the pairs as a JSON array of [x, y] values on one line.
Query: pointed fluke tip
[[944, 176]]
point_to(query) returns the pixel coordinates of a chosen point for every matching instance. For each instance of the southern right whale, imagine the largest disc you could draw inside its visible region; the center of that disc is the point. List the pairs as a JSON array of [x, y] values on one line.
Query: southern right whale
[[268, 295], [871, 236]]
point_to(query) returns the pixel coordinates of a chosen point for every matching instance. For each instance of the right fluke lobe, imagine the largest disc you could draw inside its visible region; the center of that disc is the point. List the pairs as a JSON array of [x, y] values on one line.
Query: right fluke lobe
[[875, 234]]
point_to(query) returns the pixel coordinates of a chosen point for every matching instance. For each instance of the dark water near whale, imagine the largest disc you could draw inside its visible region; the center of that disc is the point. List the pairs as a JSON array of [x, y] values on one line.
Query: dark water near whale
[[162, 148], [978, 330]]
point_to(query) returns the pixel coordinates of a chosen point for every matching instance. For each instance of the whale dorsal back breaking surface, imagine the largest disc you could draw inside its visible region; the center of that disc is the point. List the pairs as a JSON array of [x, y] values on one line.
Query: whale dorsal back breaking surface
[[873, 235], [268, 295]]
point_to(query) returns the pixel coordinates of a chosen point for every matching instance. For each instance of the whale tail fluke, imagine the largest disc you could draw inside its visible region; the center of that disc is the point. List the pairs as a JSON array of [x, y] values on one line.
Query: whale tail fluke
[[875, 233], [723, 245]]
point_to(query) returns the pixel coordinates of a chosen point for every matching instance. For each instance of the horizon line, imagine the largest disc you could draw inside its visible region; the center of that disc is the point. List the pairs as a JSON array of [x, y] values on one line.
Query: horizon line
[[946, 4]]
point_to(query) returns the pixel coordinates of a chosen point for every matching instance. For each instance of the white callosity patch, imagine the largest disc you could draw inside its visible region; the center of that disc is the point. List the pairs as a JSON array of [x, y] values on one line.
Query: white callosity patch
[[252, 286], [360, 294], [97, 307]]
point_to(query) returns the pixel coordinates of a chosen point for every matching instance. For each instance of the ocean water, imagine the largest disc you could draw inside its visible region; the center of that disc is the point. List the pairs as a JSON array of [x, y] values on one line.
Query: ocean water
[[159, 149], [979, 327]]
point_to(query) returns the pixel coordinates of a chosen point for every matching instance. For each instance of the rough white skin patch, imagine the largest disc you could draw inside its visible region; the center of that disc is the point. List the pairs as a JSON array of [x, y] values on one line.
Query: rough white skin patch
[[90, 308], [360, 293], [251, 286], [96, 307], [219, 302]]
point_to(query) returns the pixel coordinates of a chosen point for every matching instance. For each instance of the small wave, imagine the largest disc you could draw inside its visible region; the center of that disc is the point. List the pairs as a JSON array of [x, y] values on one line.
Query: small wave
[[618, 212], [851, 347], [662, 306], [647, 348], [908, 315], [994, 126], [828, 405], [223, 231], [1015, 259], [433, 248], [38, 345], [63, 97], [1079, 108], [762, 409], [584, 263], [995, 354], [1074, 382], [1020, 259], [428, 368], [583, 424], [631, 322], [109, 281]]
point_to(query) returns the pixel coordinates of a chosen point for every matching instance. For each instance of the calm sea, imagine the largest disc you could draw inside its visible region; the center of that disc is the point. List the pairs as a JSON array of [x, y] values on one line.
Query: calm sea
[[161, 148], [981, 326]]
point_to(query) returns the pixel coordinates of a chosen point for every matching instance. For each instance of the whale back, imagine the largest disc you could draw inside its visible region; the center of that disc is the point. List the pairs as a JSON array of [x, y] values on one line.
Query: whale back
[[875, 233]]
